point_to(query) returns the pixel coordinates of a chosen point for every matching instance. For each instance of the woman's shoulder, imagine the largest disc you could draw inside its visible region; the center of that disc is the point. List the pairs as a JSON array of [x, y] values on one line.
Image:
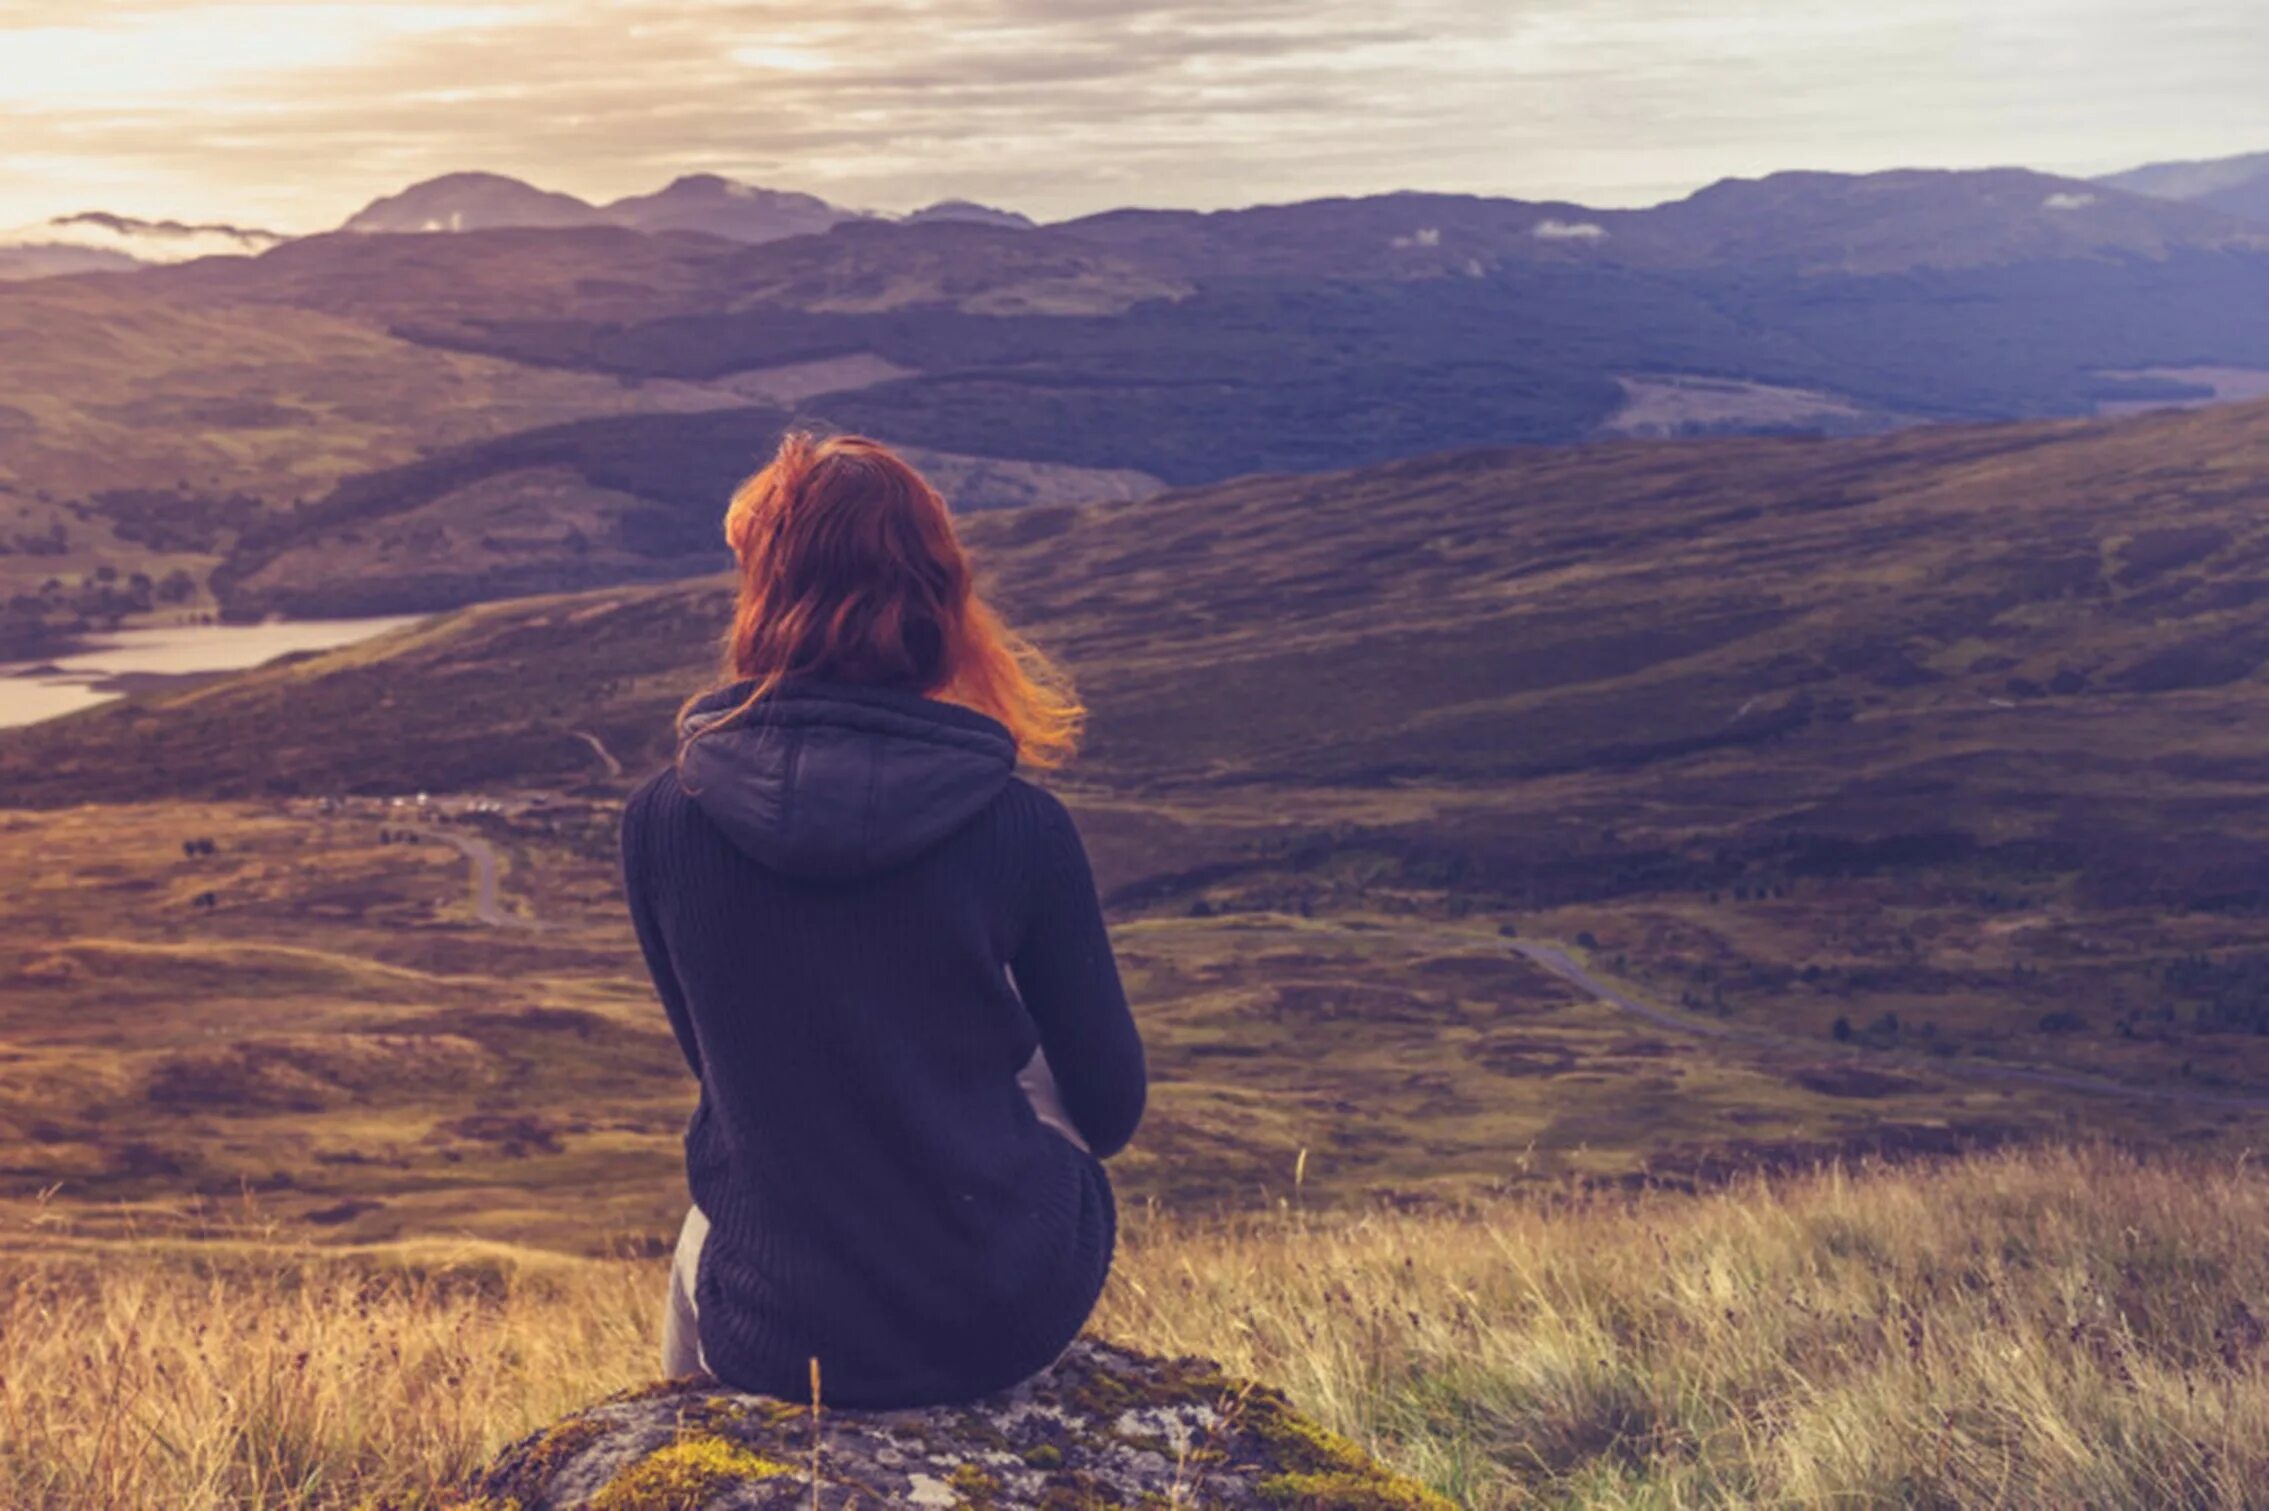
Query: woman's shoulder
[[662, 786], [1037, 820], [659, 799], [1034, 804]]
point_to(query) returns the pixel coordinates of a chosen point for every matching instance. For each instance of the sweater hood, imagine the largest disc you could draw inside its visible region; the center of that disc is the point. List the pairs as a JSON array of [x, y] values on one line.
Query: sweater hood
[[825, 780]]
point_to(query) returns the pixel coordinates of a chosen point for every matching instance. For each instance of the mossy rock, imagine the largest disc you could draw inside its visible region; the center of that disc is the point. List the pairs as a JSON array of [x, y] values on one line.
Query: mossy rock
[[1105, 1428]]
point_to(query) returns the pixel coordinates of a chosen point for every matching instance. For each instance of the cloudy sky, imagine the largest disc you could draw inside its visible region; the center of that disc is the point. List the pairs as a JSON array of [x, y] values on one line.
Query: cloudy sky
[[293, 115]]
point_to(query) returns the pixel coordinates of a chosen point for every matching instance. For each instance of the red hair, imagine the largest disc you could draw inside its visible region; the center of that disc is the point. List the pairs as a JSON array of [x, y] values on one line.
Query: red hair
[[850, 571]]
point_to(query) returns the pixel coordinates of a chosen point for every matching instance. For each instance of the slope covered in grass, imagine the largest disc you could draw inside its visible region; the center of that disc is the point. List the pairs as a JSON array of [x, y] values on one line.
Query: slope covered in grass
[[2014, 1331]]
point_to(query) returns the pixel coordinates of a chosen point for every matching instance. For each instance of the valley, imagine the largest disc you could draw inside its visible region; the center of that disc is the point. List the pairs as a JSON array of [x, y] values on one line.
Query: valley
[[1482, 822], [376, 1023], [1675, 756], [479, 390]]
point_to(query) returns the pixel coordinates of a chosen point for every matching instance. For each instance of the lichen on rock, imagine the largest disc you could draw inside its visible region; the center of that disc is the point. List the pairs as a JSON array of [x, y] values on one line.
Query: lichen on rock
[[1104, 1428]]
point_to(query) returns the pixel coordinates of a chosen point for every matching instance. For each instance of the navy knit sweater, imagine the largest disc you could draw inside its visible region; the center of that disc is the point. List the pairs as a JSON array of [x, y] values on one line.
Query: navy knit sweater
[[860, 924]]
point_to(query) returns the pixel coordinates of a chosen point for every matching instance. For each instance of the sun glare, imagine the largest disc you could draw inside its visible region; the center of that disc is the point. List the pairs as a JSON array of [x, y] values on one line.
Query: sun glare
[[197, 52], [783, 59]]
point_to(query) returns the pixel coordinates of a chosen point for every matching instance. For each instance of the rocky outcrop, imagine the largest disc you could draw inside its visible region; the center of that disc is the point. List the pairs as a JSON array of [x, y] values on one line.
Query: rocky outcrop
[[1104, 1428]]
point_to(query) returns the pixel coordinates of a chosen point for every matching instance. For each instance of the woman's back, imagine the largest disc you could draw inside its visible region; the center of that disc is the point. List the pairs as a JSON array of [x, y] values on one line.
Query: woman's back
[[832, 889]]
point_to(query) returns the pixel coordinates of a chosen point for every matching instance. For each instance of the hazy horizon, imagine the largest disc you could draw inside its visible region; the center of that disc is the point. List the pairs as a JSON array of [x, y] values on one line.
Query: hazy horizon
[[293, 116]]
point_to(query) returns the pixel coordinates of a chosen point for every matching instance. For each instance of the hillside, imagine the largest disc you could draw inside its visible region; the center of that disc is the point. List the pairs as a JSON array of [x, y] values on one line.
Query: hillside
[[2237, 186], [1098, 356], [142, 433], [2053, 1330], [1534, 612], [1899, 222], [1892, 792]]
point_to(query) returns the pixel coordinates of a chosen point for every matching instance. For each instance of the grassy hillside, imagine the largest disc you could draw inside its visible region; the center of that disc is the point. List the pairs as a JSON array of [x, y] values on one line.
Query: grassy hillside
[[2050, 1330], [1616, 615], [156, 413], [1904, 788], [143, 437]]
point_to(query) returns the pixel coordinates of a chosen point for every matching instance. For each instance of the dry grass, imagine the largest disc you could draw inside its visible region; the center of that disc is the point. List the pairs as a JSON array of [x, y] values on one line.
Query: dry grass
[[2026, 1330], [292, 1378]]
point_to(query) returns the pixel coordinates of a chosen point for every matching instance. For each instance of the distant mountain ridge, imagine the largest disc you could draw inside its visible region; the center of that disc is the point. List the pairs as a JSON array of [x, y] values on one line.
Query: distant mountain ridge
[[1870, 223], [1867, 223], [701, 202], [721, 207], [1105, 353], [2231, 185], [1875, 222]]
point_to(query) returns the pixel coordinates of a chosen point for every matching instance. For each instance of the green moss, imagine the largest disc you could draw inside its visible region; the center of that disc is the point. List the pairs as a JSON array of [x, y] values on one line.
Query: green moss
[[1077, 1492], [652, 1391], [1044, 1456], [681, 1476], [1322, 1471], [531, 1470], [1371, 1490], [1178, 1382], [974, 1484], [716, 1415], [974, 1429]]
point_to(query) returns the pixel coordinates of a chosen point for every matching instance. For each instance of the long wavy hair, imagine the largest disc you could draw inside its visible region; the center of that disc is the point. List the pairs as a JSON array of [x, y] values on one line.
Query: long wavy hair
[[850, 571]]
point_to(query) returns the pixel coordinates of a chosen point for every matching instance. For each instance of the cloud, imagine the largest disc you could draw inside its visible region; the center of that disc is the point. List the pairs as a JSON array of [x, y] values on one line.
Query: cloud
[[148, 241], [1569, 230], [296, 114], [2066, 200]]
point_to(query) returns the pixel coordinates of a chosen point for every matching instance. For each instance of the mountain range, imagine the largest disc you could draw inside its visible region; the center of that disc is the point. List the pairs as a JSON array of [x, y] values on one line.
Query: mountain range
[[2231, 185], [701, 202], [554, 393]]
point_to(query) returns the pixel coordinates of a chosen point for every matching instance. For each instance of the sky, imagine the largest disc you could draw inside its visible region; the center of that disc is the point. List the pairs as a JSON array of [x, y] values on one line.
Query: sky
[[292, 116]]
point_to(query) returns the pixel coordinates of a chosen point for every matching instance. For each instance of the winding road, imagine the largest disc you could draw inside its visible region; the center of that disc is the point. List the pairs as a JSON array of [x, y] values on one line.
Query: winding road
[[599, 748], [487, 866]]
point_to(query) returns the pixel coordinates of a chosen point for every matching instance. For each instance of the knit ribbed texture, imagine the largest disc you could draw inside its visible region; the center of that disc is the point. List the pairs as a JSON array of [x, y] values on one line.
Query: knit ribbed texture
[[881, 1195]]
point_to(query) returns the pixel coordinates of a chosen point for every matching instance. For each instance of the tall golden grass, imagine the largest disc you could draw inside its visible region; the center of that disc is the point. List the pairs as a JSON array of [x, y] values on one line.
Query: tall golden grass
[[2032, 1329]]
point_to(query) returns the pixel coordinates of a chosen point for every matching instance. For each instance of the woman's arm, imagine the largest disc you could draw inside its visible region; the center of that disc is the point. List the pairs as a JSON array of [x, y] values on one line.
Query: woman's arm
[[1070, 984], [637, 886]]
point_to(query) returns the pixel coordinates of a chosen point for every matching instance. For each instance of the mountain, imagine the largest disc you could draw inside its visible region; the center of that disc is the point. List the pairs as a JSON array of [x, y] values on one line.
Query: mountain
[[962, 209], [471, 202], [701, 202], [2231, 185], [1114, 353], [720, 207], [1884, 223], [1875, 224]]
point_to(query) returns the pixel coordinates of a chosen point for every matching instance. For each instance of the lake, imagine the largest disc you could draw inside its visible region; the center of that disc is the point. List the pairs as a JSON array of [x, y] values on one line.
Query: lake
[[110, 665]]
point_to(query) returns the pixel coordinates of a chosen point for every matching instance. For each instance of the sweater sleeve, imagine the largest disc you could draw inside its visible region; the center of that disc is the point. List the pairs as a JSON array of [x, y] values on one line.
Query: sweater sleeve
[[1070, 984], [637, 886]]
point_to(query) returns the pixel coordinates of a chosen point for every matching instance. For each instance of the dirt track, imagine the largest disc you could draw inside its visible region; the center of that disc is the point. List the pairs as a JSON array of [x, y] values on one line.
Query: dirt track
[[1560, 963]]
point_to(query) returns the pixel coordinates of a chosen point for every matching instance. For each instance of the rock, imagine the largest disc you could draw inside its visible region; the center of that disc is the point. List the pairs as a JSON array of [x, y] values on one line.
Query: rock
[[1105, 1427]]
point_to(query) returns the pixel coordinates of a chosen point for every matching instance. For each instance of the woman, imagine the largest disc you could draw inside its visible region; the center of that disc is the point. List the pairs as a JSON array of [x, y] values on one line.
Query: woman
[[874, 943]]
